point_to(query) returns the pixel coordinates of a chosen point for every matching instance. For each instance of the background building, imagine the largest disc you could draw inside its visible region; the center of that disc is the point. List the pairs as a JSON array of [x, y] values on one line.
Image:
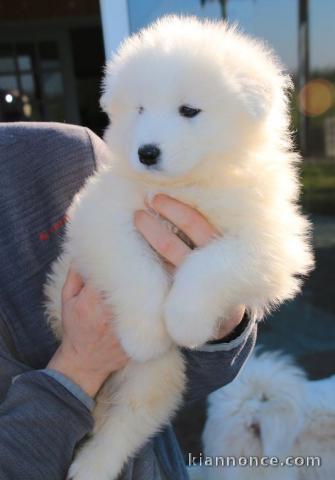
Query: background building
[[51, 58]]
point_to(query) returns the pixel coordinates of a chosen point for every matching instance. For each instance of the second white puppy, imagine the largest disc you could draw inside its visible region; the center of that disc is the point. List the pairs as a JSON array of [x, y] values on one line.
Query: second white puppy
[[272, 410], [197, 111]]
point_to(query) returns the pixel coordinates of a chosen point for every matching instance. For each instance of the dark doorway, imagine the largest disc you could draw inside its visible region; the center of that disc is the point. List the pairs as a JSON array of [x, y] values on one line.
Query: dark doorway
[[88, 61]]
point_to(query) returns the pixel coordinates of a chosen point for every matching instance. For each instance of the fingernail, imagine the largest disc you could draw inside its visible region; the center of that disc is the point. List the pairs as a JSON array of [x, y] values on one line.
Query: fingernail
[[148, 199]]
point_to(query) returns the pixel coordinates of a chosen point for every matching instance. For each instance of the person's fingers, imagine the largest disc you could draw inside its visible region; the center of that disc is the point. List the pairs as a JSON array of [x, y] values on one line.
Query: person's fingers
[[90, 294], [169, 267], [73, 284], [166, 243], [90, 300], [186, 218]]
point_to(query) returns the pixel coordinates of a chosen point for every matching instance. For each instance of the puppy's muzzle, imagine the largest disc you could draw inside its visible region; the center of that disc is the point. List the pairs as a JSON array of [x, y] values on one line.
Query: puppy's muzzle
[[149, 154]]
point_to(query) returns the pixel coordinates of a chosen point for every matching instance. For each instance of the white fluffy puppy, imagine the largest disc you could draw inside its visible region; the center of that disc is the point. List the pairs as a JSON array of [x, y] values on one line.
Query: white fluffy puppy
[[199, 112], [271, 410]]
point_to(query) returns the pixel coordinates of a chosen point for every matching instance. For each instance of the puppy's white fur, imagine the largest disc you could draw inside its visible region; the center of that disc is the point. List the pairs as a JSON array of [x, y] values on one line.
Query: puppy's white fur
[[271, 409], [234, 163]]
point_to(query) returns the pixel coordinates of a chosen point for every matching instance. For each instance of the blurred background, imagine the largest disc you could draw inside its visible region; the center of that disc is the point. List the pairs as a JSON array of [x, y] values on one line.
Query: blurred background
[[51, 62]]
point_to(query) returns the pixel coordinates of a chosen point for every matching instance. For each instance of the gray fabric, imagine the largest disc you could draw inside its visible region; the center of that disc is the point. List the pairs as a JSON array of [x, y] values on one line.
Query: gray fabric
[[71, 387], [41, 422]]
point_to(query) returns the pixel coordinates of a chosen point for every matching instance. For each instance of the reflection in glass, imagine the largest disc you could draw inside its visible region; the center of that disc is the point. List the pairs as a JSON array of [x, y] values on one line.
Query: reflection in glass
[[49, 55], [24, 62], [8, 82], [52, 84], [7, 63], [25, 56], [27, 82]]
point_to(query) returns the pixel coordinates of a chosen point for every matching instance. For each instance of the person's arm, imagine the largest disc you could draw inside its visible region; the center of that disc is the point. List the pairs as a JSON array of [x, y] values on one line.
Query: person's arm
[[216, 364], [40, 421], [46, 413]]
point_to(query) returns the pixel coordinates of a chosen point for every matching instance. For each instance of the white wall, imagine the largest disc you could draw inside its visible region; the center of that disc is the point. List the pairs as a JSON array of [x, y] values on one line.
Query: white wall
[[115, 24]]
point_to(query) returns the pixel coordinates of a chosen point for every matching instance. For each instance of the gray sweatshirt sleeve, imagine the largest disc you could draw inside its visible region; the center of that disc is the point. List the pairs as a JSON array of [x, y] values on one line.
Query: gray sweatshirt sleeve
[[41, 422], [71, 387], [212, 366]]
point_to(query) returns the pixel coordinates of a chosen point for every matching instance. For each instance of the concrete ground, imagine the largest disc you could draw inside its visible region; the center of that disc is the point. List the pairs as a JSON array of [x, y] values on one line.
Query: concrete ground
[[304, 328]]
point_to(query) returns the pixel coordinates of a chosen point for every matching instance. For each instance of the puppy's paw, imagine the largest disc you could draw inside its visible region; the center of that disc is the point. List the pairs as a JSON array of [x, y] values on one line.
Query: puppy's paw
[[190, 318], [93, 465], [142, 345]]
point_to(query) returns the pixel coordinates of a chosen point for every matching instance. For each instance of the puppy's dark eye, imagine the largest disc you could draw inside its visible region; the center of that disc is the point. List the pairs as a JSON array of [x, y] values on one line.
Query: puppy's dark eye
[[140, 110], [188, 112]]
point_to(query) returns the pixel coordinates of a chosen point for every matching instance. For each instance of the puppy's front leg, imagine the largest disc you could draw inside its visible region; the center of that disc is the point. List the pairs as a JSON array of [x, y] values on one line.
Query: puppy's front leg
[[208, 286], [138, 285]]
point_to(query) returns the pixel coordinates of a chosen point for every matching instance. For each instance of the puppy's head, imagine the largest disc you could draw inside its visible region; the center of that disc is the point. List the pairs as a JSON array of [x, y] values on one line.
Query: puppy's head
[[184, 97]]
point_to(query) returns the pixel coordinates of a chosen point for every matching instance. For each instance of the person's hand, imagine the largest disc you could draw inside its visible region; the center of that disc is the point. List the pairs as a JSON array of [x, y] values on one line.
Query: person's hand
[[174, 250], [90, 351]]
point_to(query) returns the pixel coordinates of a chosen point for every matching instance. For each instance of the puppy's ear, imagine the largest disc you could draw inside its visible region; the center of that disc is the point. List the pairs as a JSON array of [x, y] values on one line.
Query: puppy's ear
[[257, 102], [257, 97], [261, 94]]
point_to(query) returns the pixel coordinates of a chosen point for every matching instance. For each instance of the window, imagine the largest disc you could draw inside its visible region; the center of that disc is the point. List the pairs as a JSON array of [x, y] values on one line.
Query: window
[[31, 81]]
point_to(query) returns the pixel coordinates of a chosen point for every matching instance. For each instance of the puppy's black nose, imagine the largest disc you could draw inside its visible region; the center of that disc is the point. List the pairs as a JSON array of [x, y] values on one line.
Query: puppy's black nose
[[148, 154]]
